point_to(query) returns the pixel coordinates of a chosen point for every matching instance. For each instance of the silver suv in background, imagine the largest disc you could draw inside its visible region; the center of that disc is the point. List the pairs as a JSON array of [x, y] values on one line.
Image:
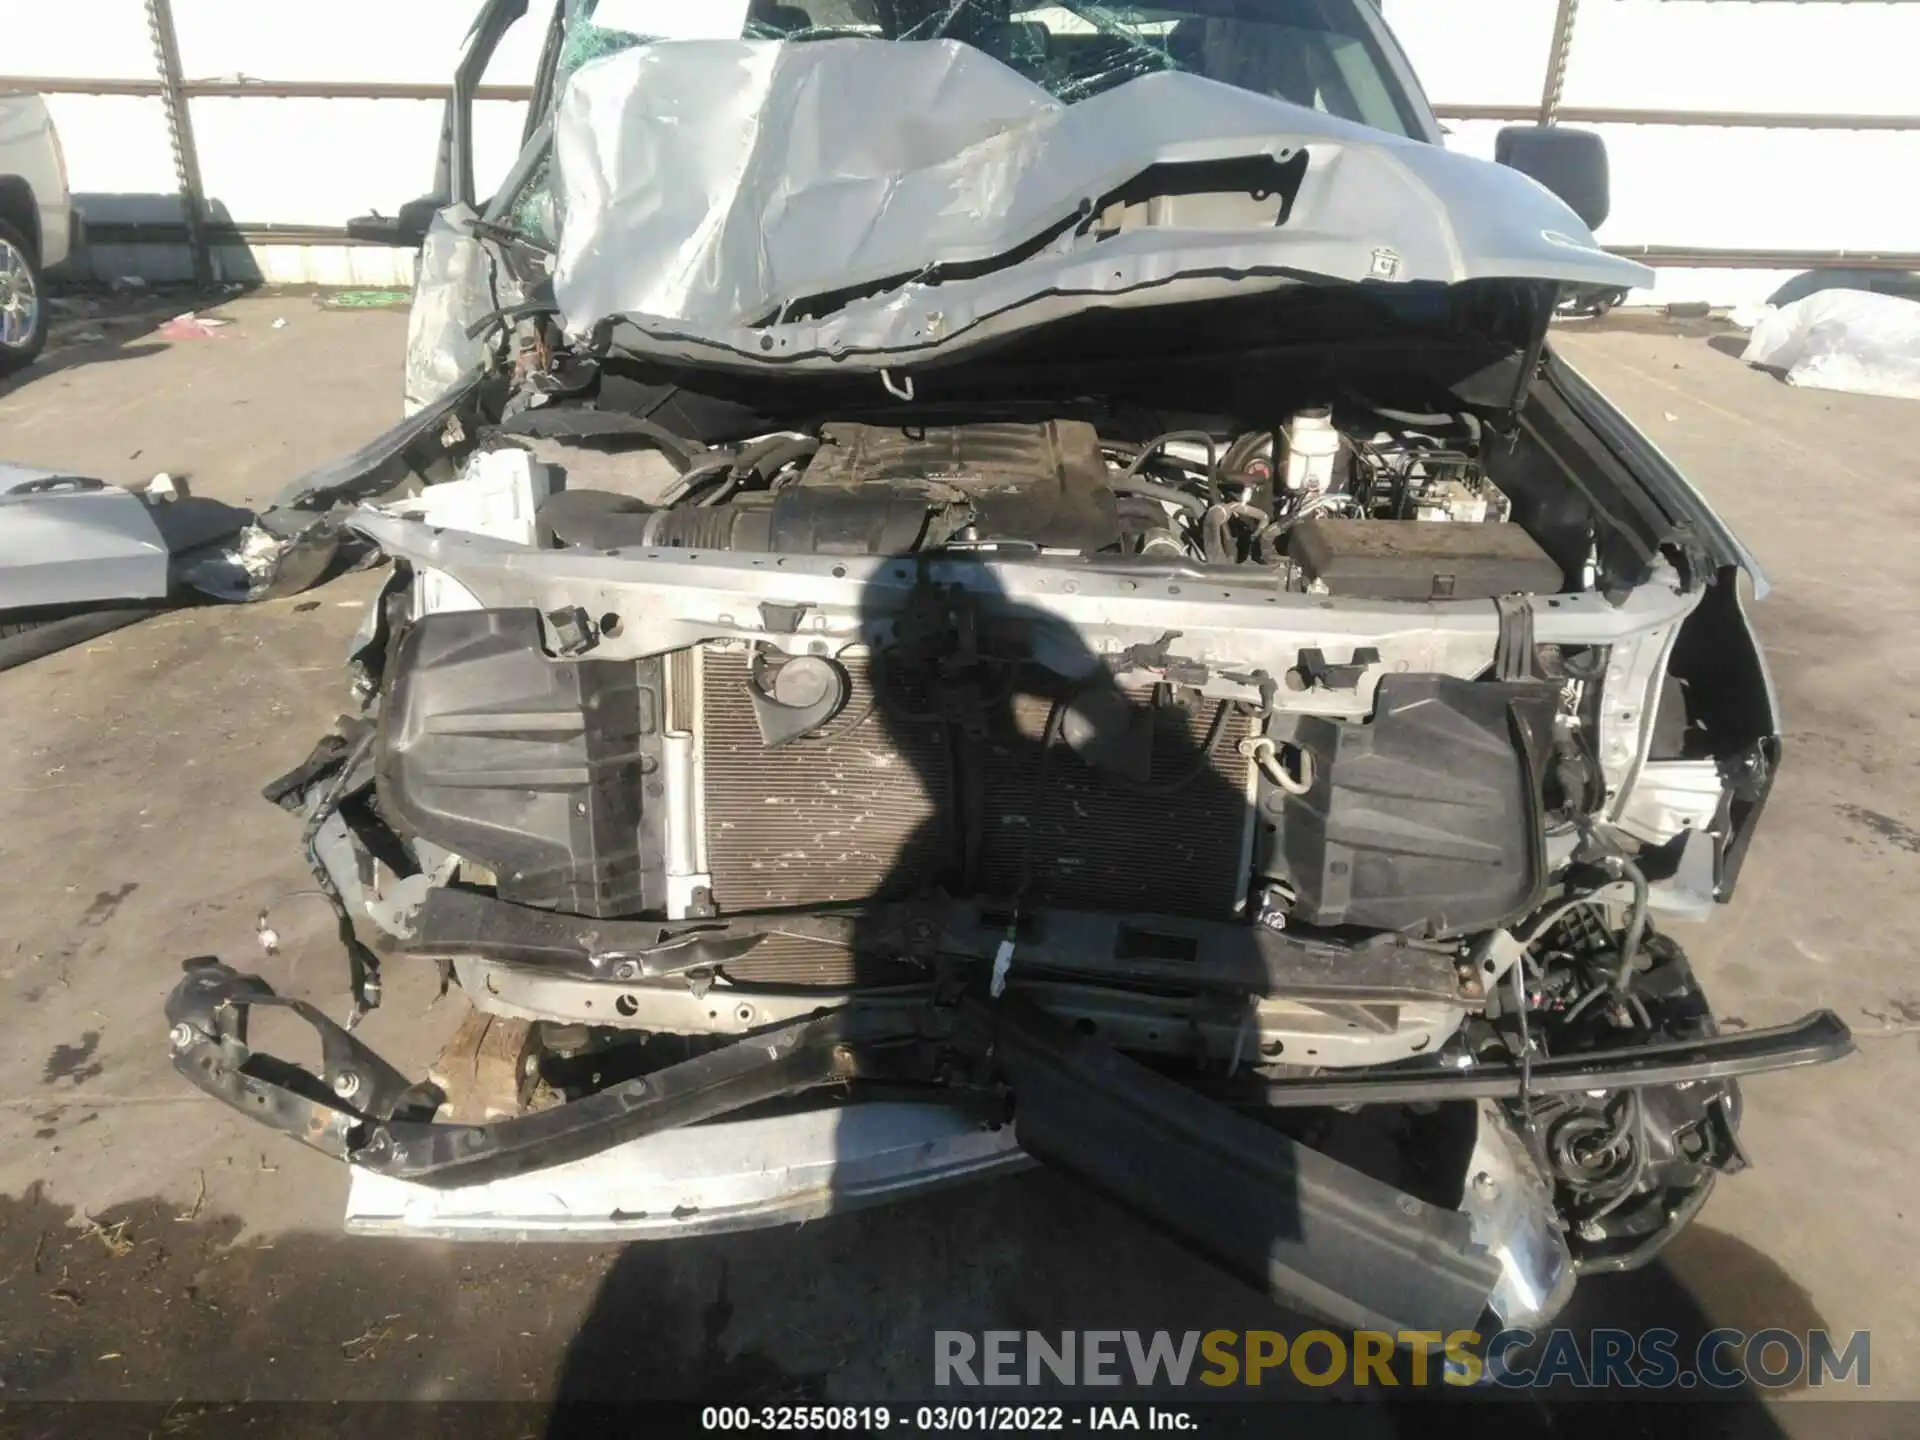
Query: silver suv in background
[[36, 224]]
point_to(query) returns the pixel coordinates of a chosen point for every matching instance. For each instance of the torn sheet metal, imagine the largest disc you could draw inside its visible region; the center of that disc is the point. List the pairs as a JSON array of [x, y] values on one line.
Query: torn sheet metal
[[260, 565], [708, 185], [461, 282], [1510, 1206]]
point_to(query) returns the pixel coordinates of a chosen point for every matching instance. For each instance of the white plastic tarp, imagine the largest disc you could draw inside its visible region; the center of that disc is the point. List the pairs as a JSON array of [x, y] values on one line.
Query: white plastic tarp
[[1852, 340]]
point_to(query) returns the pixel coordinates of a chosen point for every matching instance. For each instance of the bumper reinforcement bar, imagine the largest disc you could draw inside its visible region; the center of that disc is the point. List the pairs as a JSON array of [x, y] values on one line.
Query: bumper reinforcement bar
[[1311, 1231], [362, 1110]]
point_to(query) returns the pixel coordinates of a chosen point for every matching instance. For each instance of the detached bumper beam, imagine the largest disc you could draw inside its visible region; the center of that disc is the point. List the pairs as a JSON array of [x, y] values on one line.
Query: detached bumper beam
[[1311, 1232], [362, 1110], [1815, 1039]]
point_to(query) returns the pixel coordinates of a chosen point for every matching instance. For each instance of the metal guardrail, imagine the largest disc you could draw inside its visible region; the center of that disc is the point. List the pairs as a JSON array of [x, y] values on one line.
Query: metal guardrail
[[1660, 256], [1700, 119], [1676, 256], [245, 89]]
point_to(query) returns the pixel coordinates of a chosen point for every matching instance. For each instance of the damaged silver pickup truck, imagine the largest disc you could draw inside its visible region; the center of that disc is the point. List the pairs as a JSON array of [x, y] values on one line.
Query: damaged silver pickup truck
[[975, 585]]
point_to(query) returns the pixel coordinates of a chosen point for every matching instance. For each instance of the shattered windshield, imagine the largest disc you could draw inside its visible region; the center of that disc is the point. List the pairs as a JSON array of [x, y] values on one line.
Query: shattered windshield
[[1316, 53]]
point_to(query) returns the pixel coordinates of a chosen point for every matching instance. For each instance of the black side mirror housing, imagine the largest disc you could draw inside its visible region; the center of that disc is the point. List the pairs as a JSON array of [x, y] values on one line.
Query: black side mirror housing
[[408, 228], [1570, 163]]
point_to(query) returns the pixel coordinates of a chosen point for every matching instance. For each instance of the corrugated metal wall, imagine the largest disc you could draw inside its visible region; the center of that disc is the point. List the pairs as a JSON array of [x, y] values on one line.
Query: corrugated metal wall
[[315, 162]]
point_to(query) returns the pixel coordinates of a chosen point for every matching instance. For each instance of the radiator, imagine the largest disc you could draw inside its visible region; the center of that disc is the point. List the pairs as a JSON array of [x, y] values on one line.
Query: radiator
[[865, 809]]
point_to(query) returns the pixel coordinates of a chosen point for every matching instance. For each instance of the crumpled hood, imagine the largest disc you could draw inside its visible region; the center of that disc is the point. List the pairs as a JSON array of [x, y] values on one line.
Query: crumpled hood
[[707, 185]]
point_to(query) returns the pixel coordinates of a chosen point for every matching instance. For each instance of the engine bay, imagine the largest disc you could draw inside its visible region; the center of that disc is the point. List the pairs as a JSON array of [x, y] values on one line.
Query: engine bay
[[1360, 502]]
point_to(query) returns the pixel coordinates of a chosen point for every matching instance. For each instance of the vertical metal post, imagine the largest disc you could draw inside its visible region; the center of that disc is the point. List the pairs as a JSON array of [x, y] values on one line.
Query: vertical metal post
[[1557, 60], [186, 159]]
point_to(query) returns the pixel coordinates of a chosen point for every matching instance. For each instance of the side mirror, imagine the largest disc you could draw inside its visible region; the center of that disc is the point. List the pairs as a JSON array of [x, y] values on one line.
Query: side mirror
[[408, 228], [1570, 163]]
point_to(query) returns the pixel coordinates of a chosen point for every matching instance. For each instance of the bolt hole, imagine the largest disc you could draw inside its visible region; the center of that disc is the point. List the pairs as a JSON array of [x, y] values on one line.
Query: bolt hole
[[626, 1005], [609, 624], [839, 572], [1153, 1034], [1272, 1048], [1085, 1026]]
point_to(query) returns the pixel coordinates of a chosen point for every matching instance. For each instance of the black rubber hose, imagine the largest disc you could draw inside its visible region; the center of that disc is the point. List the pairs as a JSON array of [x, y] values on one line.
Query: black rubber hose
[[1201, 437], [1216, 530], [1266, 544], [31, 640], [766, 457], [1636, 930], [1131, 484], [763, 460], [1469, 422], [1202, 763], [1049, 737]]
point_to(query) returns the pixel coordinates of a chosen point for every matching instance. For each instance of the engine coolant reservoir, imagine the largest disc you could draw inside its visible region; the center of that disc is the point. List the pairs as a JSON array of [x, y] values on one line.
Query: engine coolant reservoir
[[1312, 445]]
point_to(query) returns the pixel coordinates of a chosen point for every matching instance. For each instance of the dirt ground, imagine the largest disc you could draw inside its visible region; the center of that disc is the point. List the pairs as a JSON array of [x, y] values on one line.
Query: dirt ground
[[156, 1246]]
